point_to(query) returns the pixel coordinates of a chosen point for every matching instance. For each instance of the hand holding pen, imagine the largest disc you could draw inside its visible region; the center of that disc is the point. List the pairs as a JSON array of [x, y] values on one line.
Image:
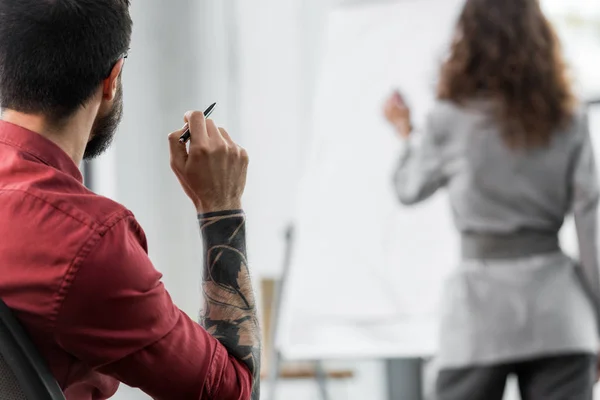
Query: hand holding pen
[[212, 172], [186, 134]]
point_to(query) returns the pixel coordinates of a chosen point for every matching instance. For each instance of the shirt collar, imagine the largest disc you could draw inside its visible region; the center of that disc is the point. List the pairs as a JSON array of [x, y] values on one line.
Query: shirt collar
[[40, 147]]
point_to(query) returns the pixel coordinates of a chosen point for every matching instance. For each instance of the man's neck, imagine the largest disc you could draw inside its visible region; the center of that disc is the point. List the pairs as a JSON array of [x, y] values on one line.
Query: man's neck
[[71, 137]]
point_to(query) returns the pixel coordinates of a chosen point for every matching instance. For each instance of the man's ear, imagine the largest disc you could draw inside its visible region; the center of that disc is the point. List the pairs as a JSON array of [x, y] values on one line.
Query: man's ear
[[110, 84]]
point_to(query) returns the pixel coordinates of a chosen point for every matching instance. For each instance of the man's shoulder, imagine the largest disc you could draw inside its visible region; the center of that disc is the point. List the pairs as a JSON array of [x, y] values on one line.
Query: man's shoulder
[[64, 198], [98, 212], [102, 214]]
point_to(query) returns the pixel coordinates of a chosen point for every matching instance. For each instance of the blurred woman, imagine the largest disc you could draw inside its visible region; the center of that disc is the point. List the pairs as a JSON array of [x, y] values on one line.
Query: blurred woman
[[509, 143]]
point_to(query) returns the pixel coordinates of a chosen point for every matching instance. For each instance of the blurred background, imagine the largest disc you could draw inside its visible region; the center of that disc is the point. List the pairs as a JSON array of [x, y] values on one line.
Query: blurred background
[[270, 64]]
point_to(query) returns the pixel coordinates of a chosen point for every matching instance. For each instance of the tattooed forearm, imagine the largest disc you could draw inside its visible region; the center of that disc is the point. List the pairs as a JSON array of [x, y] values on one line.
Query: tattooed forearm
[[230, 310]]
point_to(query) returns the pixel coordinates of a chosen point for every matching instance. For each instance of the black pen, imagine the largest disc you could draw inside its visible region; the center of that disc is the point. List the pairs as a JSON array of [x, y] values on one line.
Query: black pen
[[186, 135]]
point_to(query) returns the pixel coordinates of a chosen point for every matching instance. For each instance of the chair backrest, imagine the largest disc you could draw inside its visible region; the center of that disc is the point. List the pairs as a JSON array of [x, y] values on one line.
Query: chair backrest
[[24, 374]]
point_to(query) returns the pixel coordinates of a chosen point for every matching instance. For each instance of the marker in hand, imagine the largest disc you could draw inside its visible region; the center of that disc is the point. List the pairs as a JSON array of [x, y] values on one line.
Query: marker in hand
[[397, 113], [186, 135]]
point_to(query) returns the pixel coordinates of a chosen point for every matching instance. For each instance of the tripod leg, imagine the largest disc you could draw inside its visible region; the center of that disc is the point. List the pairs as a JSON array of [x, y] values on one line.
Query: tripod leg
[[274, 373], [322, 380]]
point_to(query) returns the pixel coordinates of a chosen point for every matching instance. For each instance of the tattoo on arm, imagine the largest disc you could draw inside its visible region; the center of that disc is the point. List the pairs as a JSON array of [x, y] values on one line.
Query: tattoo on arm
[[230, 309]]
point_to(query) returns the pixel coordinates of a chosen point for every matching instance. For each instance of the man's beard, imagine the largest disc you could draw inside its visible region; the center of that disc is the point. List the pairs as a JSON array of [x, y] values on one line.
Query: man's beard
[[105, 127]]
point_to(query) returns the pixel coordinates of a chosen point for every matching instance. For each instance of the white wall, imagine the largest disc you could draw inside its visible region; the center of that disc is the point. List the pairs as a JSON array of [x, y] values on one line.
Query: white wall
[[279, 52]]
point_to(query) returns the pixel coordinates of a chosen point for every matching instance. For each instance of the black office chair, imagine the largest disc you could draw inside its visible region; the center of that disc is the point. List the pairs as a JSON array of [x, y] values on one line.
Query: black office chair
[[23, 372]]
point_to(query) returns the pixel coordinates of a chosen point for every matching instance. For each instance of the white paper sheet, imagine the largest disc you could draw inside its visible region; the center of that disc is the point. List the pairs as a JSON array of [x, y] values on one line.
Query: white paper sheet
[[366, 273]]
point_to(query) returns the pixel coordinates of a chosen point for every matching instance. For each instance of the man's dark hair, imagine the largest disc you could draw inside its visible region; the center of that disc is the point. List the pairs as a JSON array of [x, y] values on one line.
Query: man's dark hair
[[55, 53]]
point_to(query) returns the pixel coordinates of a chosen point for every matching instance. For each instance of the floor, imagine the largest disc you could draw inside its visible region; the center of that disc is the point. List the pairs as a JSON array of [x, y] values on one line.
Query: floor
[[368, 383]]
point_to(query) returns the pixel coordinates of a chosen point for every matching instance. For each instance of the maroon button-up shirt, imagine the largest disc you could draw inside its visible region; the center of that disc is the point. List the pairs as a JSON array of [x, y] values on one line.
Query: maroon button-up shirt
[[75, 270]]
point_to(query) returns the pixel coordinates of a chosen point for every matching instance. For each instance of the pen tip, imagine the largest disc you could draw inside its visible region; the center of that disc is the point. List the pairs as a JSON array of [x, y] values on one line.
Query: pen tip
[[209, 110]]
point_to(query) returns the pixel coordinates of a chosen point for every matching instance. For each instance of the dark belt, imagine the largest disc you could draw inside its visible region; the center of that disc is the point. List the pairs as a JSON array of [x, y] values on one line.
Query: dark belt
[[519, 244]]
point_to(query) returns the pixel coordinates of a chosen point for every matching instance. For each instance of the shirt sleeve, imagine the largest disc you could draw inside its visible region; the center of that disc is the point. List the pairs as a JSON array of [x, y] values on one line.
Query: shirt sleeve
[[118, 318], [585, 195], [420, 172]]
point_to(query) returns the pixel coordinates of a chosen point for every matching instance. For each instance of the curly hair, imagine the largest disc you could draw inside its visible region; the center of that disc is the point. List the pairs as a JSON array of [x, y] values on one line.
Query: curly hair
[[507, 51]]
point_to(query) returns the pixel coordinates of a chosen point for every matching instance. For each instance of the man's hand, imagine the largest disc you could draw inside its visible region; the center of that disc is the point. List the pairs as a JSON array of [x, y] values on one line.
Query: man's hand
[[213, 172], [398, 114], [213, 175]]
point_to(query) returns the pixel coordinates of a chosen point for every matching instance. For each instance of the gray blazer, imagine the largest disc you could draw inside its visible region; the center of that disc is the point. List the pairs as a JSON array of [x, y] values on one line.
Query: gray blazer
[[493, 189]]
